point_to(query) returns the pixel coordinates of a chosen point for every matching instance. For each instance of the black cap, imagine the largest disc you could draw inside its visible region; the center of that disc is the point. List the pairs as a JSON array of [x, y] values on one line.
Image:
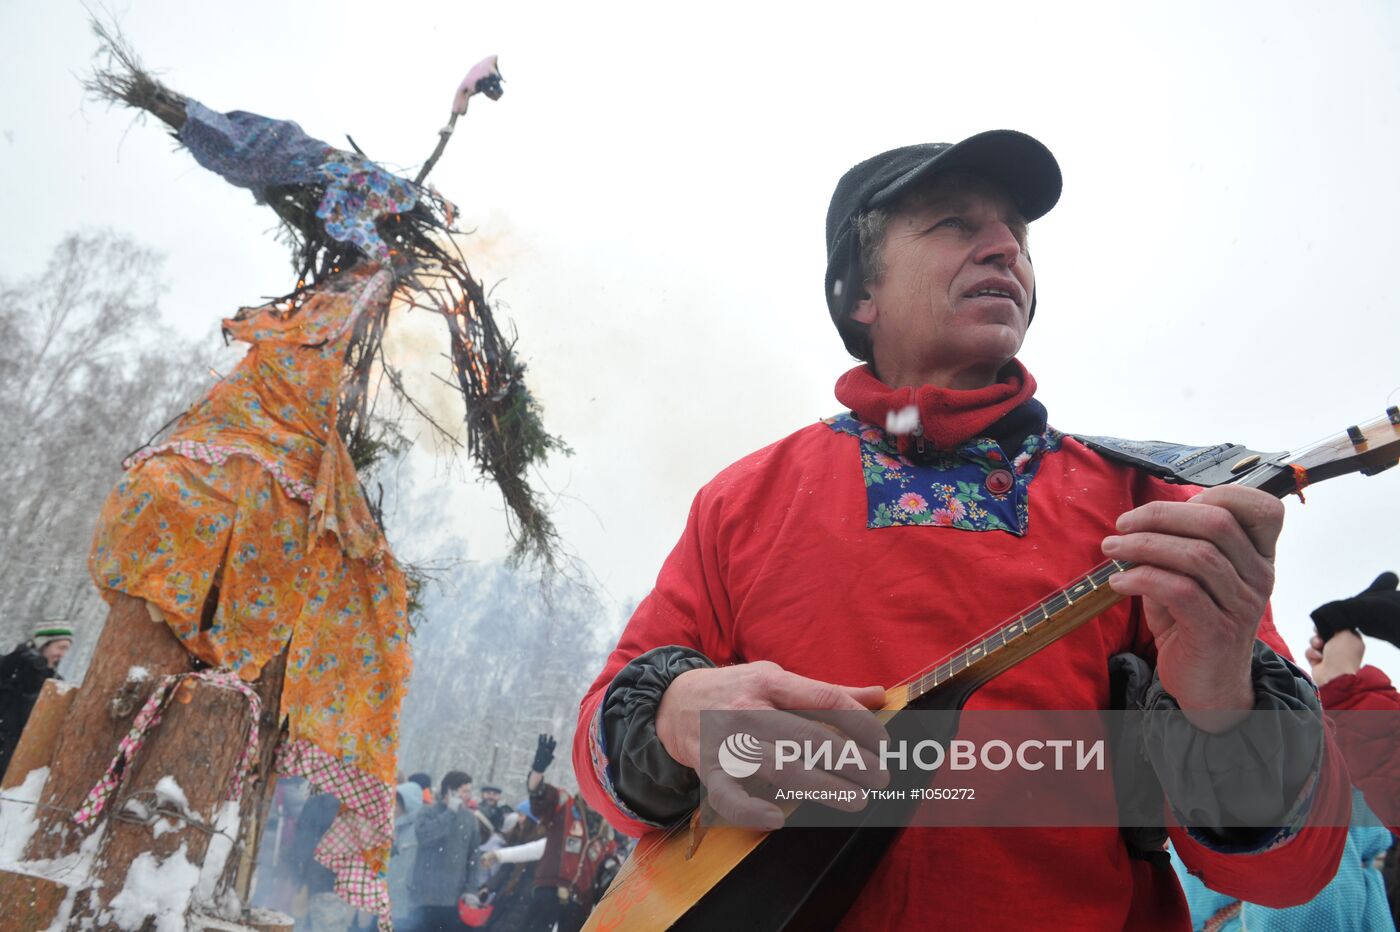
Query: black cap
[[488, 788], [1018, 163]]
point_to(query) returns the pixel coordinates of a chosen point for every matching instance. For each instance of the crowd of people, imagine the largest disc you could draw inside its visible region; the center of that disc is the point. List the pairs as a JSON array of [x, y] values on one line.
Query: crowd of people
[[463, 857]]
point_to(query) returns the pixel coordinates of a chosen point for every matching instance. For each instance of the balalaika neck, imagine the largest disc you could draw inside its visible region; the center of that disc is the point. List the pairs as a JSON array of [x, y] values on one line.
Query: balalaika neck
[[1010, 643]]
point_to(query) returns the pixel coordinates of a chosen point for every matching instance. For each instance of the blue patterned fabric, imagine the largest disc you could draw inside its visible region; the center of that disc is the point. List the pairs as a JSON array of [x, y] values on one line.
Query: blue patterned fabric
[[257, 152], [252, 151], [1354, 901], [947, 489], [357, 194]]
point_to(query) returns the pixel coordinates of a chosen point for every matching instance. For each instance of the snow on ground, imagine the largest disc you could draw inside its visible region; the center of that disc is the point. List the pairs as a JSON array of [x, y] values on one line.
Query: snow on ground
[[268, 917], [17, 827], [17, 822], [154, 889], [71, 871]]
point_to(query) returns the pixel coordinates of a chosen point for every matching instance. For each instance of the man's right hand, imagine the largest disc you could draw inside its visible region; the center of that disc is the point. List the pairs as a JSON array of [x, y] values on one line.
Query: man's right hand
[[791, 705]]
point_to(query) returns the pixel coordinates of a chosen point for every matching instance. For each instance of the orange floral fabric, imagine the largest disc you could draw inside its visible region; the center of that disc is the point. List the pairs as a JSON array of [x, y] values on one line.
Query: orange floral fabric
[[254, 495]]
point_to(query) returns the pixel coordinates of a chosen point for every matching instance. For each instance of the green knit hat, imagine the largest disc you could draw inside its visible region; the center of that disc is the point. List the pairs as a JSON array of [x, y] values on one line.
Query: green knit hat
[[51, 631]]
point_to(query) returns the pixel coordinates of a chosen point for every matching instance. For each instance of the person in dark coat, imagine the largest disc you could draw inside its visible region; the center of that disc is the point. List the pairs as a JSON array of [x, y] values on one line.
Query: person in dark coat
[[325, 911], [22, 675], [448, 837]]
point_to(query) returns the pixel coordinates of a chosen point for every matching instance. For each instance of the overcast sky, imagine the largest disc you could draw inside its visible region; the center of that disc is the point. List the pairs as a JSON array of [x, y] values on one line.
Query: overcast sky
[[650, 192]]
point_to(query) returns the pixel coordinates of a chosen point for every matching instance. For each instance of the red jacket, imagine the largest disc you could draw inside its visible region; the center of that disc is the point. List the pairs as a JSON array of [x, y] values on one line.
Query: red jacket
[[779, 562], [572, 855], [1367, 740]]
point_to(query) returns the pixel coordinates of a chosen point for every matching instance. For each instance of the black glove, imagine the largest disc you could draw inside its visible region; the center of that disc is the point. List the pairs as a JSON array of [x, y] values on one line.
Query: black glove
[[544, 753], [1375, 612]]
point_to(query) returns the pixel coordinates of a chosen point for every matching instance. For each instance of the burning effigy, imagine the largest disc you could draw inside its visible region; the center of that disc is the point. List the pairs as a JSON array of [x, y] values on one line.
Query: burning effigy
[[245, 528]]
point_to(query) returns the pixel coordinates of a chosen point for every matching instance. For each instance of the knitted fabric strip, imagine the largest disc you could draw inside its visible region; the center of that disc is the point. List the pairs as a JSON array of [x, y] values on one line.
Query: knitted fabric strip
[[149, 717]]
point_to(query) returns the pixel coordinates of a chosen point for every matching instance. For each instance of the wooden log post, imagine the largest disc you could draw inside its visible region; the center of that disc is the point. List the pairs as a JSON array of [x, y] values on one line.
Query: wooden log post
[[198, 744], [257, 793], [36, 745], [88, 741], [29, 903]]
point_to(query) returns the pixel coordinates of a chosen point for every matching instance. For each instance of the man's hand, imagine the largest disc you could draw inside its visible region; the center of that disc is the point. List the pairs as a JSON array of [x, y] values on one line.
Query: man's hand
[[1339, 655], [769, 691], [1205, 570]]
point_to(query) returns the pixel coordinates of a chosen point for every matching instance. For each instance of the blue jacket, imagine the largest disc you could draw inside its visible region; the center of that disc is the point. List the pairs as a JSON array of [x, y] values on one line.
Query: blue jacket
[[1353, 902]]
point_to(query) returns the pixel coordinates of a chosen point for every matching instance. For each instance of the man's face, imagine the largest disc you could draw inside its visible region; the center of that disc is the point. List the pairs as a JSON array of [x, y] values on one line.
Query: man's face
[[54, 651], [490, 796], [464, 792], [953, 302]]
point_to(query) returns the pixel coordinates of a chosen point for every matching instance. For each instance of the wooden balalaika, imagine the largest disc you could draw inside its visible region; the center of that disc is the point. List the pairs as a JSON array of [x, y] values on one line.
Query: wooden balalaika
[[726, 878]]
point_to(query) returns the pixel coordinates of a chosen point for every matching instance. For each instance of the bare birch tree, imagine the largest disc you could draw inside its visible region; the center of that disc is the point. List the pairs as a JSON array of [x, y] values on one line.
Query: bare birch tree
[[88, 371]]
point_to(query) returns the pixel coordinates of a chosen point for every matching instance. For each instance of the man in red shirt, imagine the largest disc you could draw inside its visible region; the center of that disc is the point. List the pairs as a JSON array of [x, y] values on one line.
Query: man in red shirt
[[850, 555]]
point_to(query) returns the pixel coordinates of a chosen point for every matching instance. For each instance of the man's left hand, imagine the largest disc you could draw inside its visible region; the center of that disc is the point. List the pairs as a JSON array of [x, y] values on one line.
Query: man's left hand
[[1205, 570]]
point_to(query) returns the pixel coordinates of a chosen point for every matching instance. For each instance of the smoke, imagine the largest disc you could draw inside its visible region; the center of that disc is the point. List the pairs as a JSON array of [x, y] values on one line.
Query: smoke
[[416, 340]]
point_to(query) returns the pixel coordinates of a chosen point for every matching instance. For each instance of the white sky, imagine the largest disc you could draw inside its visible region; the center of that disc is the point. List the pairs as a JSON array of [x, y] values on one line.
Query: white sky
[[652, 187]]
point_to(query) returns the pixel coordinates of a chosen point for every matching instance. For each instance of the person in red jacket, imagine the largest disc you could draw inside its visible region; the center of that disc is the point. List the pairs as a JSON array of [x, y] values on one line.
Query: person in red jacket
[[577, 845], [1335, 653], [852, 554]]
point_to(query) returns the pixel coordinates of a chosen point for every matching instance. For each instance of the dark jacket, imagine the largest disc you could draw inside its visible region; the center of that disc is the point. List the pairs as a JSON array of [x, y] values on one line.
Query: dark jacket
[[313, 822], [22, 675], [447, 843]]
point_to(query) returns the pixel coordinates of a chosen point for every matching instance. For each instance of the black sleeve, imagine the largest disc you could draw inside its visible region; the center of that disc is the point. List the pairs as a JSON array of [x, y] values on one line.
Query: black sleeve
[[23, 671], [1242, 786], [649, 780]]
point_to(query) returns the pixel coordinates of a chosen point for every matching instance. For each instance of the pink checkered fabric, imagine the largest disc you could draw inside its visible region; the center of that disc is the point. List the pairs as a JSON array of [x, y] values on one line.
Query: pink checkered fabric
[[362, 832], [149, 717]]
